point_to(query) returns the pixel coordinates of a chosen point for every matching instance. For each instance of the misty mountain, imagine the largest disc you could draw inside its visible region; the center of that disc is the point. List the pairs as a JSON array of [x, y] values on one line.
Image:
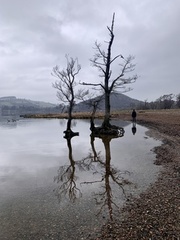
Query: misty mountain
[[15, 106], [119, 101], [12, 101]]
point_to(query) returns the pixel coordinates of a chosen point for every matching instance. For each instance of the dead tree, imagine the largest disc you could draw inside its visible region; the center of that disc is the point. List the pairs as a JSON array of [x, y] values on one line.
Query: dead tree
[[66, 85], [104, 61]]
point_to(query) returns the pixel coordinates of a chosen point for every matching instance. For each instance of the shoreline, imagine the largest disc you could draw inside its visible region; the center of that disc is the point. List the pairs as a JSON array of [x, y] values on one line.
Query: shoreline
[[155, 213]]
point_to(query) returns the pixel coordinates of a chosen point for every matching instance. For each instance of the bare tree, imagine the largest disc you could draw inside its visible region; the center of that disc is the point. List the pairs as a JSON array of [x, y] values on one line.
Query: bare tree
[[66, 85], [166, 101], [94, 104], [104, 61], [178, 100]]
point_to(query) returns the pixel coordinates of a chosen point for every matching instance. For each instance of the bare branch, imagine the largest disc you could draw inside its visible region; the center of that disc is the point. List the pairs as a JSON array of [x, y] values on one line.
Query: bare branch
[[99, 55], [93, 84], [116, 58]]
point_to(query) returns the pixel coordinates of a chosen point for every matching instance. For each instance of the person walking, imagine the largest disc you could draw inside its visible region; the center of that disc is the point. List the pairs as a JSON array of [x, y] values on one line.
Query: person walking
[[134, 114]]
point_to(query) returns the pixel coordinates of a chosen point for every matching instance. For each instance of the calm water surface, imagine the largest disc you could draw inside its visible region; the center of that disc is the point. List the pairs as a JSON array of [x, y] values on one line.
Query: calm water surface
[[53, 188]]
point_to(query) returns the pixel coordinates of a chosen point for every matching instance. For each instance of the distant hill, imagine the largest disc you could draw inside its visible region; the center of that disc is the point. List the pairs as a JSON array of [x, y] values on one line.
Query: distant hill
[[119, 101], [11, 101], [15, 106]]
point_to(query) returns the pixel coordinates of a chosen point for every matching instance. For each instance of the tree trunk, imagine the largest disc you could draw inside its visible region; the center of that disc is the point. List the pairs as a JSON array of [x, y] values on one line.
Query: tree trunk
[[69, 116], [92, 127], [68, 125], [106, 122]]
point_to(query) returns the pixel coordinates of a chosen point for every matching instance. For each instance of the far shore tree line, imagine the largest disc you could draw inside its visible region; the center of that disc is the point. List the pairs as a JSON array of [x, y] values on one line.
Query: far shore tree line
[[166, 101]]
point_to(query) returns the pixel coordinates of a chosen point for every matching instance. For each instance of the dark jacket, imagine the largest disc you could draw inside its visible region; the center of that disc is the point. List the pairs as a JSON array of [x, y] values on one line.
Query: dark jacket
[[133, 114]]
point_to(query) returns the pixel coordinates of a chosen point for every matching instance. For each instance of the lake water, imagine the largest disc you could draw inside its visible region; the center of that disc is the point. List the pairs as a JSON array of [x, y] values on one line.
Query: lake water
[[54, 188]]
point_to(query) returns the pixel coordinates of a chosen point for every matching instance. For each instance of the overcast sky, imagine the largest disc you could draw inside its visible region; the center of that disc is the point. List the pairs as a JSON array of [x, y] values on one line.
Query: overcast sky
[[36, 35]]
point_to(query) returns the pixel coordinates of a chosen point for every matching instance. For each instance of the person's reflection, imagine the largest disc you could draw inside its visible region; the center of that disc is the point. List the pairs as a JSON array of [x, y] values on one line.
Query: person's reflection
[[134, 129], [66, 178]]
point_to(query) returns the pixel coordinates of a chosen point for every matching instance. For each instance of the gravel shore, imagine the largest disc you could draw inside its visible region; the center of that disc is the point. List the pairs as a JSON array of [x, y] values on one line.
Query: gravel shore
[[155, 214]]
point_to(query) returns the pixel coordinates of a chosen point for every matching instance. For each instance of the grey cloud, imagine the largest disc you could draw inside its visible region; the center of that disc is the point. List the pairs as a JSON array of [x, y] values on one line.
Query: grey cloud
[[36, 35]]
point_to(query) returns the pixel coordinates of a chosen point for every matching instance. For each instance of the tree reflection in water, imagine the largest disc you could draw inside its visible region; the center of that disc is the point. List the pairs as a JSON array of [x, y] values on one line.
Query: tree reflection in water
[[66, 178], [109, 176], [95, 163]]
